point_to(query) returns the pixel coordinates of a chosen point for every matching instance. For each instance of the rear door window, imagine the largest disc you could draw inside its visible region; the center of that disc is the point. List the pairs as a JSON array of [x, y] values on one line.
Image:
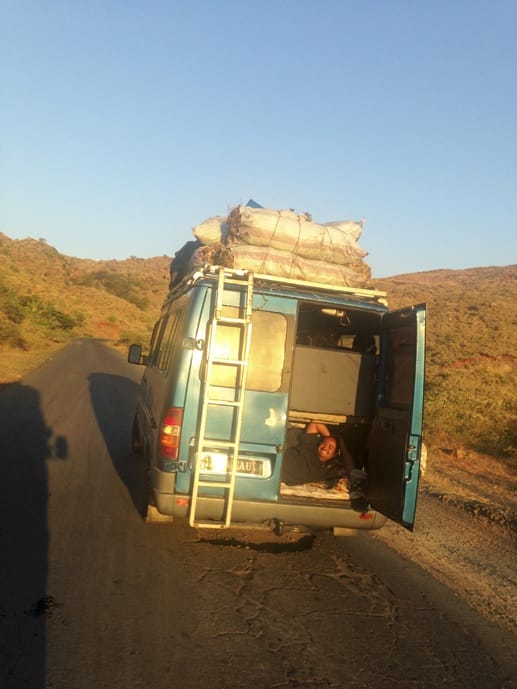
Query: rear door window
[[267, 352], [400, 367]]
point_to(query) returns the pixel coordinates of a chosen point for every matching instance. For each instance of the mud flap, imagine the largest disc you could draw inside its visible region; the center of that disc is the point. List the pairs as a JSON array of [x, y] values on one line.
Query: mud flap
[[155, 517]]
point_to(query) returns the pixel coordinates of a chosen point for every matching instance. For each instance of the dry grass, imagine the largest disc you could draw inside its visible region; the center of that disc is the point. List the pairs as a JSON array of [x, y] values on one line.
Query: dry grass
[[47, 298], [15, 363], [471, 362]]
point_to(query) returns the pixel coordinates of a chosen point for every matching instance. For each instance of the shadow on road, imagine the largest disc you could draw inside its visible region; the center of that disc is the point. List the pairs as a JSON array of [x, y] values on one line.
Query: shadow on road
[[114, 400], [25, 445]]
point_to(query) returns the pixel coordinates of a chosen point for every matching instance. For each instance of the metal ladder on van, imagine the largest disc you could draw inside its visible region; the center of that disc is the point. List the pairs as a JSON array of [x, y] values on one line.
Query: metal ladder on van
[[242, 322]]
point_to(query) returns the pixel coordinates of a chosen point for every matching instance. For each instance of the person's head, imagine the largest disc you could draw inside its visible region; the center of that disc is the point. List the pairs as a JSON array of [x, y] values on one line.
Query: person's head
[[328, 448]]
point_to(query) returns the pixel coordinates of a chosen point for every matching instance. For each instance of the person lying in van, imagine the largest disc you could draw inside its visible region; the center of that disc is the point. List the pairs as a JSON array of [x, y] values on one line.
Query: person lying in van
[[314, 455]]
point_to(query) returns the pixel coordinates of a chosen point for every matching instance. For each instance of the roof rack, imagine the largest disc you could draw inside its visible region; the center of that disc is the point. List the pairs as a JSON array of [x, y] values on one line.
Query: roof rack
[[212, 271]]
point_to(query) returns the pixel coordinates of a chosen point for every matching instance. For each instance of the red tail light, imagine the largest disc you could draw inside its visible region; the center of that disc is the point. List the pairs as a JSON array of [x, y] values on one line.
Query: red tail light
[[171, 432]]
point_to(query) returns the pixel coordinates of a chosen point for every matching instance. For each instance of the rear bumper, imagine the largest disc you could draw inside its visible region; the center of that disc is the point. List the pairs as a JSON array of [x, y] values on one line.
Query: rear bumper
[[309, 512]]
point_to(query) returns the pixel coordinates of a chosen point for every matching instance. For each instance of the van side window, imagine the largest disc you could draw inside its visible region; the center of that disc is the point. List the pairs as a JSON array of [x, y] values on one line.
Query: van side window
[[168, 340], [267, 352], [162, 340], [161, 344], [154, 343]]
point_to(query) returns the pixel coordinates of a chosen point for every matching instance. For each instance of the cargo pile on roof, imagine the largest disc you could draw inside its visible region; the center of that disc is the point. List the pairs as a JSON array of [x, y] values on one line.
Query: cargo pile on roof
[[281, 243]]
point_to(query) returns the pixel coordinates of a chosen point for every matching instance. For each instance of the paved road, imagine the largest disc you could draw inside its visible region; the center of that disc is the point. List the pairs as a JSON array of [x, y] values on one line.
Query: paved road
[[93, 598]]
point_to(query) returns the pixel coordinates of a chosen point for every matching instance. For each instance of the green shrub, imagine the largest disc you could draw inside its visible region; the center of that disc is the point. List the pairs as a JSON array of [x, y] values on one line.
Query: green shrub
[[132, 337], [478, 412], [11, 304], [14, 311], [126, 286], [48, 315], [10, 334], [79, 318]]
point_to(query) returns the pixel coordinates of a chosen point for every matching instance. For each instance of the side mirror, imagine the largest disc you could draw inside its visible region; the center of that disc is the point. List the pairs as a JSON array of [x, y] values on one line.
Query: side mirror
[[135, 354]]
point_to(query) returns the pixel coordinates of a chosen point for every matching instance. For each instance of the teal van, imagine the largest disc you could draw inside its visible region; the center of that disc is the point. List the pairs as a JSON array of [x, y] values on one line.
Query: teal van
[[236, 359]]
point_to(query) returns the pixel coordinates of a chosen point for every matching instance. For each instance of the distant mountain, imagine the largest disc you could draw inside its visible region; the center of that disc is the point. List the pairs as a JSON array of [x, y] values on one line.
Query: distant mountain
[[471, 386]]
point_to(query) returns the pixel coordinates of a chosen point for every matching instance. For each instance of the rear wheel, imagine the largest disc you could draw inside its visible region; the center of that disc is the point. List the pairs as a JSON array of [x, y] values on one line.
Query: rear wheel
[[136, 441], [153, 516]]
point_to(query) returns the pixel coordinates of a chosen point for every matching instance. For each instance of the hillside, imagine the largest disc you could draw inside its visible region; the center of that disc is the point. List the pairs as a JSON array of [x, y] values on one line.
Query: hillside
[[471, 396], [47, 298]]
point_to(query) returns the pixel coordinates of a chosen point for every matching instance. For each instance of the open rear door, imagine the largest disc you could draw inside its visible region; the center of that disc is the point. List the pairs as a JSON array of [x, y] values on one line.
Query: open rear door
[[396, 438]]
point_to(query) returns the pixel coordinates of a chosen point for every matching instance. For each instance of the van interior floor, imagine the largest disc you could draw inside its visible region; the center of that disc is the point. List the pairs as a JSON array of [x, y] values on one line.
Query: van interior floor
[[317, 490]]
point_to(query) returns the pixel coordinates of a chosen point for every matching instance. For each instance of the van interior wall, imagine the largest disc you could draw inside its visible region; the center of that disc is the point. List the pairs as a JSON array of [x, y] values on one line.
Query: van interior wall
[[335, 387]]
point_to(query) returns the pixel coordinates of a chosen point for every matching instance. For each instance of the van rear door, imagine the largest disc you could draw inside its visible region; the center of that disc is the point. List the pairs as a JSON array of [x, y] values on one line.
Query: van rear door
[[396, 438]]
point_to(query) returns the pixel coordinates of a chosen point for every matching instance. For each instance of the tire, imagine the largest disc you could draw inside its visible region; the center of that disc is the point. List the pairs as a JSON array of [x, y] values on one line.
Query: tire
[[136, 441]]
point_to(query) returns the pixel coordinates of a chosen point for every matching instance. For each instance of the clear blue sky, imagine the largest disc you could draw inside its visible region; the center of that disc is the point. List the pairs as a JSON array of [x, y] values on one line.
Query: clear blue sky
[[124, 124]]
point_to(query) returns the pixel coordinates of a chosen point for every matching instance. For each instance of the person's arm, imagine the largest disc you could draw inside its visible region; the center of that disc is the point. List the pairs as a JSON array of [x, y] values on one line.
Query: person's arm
[[319, 428]]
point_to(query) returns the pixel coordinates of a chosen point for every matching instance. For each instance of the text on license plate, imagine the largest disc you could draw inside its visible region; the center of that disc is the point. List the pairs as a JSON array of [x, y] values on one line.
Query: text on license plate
[[215, 463]]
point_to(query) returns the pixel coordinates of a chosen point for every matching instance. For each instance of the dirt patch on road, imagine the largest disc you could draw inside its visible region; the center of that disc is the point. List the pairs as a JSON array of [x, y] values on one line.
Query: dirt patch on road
[[466, 531], [483, 486]]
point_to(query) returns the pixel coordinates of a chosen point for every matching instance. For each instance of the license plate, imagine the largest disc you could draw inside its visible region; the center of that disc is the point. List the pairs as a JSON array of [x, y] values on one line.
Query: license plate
[[254, 467], [216, 463]]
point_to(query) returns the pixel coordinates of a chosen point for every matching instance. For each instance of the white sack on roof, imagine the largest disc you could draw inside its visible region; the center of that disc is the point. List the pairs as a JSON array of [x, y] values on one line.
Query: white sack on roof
[[296, 233], [354, 228], [285, 264], [212, 230], [283, 244]]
